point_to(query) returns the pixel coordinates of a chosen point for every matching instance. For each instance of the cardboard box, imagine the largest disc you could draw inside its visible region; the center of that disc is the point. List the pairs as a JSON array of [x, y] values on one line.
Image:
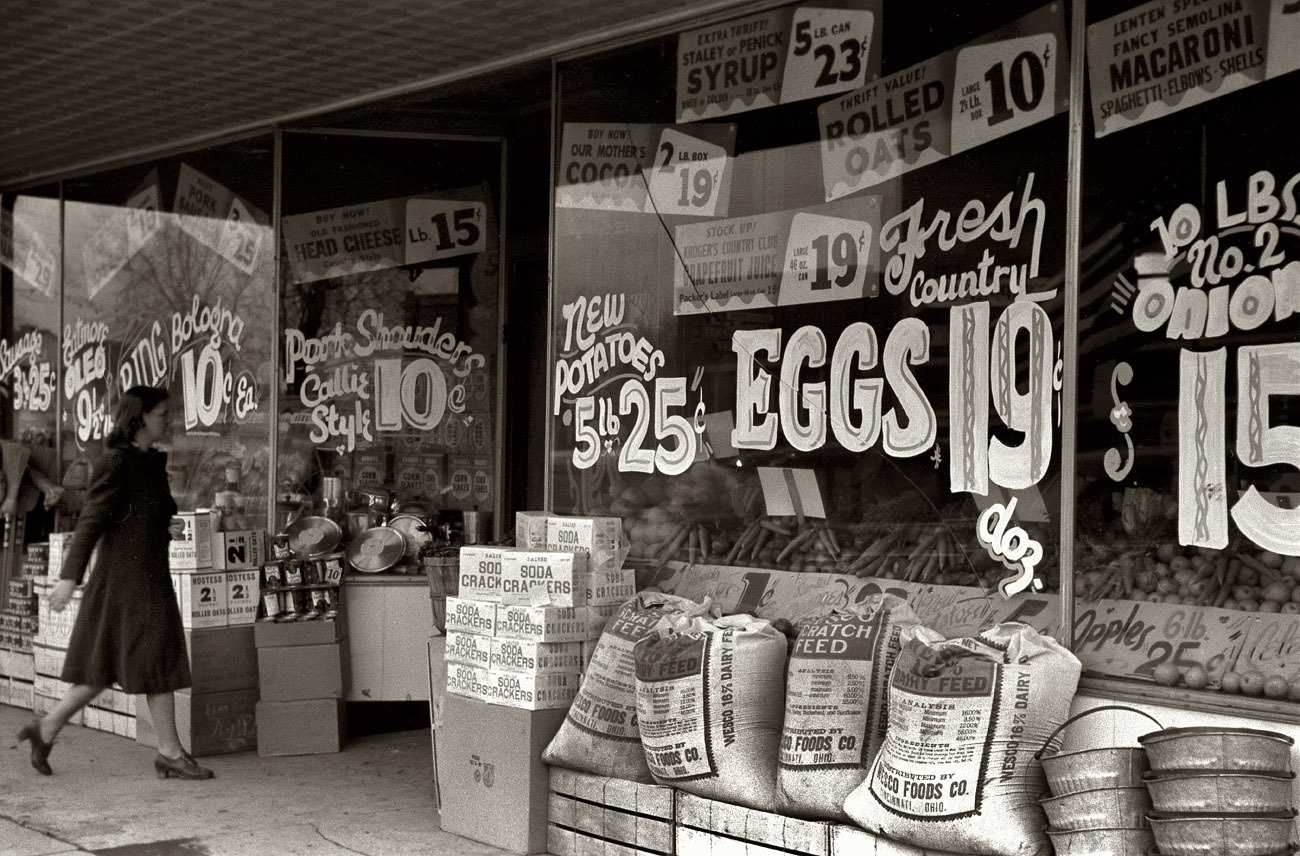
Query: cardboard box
[[318, 631], [193, 550], [471, 616], [533, 692], [370, 467], [437, 692], [467, 681], [599, 816], [54, 629], [600, 538], [480, 573], [535, 658], [243, 593], [222, 659], [208, 723], [469, 649], [542, 578], [530, 529], [549, 623], [309, 727], [437, 648], [202, 598], [239, 550], [490, 772], [301, 672]]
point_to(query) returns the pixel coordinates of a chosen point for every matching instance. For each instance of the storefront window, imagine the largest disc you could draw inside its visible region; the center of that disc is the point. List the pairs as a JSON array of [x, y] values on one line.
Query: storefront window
[[391, 328], [1189, 355], [29, 349], [169, 283], [808, 305]]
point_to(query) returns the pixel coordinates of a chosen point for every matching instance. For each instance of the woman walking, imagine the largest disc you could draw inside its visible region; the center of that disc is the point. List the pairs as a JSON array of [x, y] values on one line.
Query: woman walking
[[128, 630]]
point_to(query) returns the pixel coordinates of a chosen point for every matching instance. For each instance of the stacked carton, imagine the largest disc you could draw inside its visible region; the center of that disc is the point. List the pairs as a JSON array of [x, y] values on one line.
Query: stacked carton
[[303, 660], [515, 640], [215, 577]]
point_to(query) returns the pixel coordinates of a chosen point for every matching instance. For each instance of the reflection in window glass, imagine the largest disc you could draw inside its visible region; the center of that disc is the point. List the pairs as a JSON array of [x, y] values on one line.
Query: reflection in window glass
[[168, 283]]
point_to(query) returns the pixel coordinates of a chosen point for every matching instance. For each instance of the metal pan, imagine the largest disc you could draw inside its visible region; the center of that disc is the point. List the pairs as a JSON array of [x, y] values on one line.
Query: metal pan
[[313, 537], [376, 549]]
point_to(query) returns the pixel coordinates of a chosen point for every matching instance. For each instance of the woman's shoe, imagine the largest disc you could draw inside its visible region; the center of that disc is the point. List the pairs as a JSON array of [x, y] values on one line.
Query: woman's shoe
[[184, 767], [40, 749]]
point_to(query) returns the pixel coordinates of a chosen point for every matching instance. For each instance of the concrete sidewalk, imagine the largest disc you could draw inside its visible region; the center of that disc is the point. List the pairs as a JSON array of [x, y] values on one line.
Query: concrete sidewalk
[[373, 798]]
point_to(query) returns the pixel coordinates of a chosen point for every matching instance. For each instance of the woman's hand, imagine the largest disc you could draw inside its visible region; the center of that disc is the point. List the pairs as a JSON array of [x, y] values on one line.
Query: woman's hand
[[62, 594]]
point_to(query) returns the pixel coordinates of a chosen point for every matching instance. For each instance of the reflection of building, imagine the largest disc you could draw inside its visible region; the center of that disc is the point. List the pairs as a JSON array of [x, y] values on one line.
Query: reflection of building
[[914, 270]]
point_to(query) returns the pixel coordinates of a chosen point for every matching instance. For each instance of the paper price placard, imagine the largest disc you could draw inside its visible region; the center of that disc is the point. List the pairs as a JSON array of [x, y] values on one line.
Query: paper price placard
[[1002, 87], [241, 238], [826, 259], [142, 221], [747, 262], [813, 50], [443, 228], [828, 52], [691, 176], [957, 100]]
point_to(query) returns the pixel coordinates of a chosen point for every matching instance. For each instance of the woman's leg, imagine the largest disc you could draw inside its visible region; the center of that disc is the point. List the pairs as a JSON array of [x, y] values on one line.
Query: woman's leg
[[162, 710], [76, 698]]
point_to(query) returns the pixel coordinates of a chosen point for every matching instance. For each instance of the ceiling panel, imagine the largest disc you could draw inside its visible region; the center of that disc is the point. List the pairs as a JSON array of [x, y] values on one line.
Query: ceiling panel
[[84, 82]]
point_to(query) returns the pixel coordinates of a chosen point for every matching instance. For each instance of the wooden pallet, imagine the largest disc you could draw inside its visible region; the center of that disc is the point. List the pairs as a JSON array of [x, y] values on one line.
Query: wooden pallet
[[599, 816], [711, 828]]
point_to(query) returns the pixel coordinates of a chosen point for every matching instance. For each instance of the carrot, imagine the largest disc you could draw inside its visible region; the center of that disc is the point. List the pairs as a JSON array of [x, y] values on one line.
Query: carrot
[[823, 535], [692, 543], [674, 544], [760, 540], [795, 543], [775, 528], [742, 541], [1229, 580]]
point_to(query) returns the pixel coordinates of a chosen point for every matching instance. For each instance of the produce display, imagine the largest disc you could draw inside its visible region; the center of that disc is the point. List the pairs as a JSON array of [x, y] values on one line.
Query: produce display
[[716, 515]]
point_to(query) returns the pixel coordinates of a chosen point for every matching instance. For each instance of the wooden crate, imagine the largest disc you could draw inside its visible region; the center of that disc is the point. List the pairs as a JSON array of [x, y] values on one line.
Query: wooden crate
[[599, 816], [16, 692], [851, 841], [17, 664], [711, 828]]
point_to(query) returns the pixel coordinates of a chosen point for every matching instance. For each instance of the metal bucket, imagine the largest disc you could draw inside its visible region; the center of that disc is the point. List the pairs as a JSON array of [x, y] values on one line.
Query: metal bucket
[[1220, 792], [1206, 748], [1102, 808], [1222, 835], [1102, 842], [1092, 769]]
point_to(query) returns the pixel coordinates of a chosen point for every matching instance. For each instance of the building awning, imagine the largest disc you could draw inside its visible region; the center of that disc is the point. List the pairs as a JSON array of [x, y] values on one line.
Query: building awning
[[87, 83]]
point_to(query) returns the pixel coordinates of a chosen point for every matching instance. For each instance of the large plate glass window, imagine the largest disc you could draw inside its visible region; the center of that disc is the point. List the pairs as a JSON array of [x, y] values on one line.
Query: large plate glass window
[[808, 306], [1189, 344]]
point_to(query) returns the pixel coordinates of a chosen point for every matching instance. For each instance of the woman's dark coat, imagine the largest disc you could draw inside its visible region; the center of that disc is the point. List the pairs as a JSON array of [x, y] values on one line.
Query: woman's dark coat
[[128, 630]]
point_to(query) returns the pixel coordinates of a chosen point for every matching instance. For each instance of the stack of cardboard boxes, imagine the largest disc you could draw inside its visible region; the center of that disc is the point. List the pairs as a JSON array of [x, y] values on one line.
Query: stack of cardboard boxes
[[215, 576], [303, 659], [518, 637]]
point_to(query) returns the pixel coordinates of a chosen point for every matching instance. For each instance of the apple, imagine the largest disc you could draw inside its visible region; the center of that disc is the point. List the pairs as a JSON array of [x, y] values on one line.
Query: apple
[[1167, 550], [1278, 591], [1230, 682], [1276, 686], [1252, 683]]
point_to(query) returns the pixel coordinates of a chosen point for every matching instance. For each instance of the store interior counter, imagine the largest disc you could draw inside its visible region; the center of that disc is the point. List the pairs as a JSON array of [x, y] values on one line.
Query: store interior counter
[[390, 620]]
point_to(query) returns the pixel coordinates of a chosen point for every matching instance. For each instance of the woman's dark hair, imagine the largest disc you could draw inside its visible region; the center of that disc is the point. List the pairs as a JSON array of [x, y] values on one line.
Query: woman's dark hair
[[128, 416]]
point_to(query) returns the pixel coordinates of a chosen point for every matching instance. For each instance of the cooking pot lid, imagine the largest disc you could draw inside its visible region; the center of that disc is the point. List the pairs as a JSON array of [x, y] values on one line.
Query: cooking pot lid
[[376, 549], [414, 532], [312, 537]]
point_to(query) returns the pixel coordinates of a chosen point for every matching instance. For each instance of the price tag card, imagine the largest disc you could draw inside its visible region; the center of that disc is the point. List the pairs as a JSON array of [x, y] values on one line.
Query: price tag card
[[828, 52], [826, 259], [791, 492], [36, 262], [444, 228], [691, 176], [241, 238], [1002, 87], [141, 218]]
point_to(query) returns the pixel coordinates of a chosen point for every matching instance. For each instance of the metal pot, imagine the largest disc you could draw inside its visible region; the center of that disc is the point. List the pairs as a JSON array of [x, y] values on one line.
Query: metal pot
[[360, 520], [1219, 792]]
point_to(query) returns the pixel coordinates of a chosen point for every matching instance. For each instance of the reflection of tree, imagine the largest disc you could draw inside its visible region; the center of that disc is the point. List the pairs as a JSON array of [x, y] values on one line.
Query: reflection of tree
[[161, 280]]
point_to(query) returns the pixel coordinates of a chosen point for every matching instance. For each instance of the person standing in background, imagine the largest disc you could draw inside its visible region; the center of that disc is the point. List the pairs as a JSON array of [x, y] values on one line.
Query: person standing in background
[[128, 630]]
